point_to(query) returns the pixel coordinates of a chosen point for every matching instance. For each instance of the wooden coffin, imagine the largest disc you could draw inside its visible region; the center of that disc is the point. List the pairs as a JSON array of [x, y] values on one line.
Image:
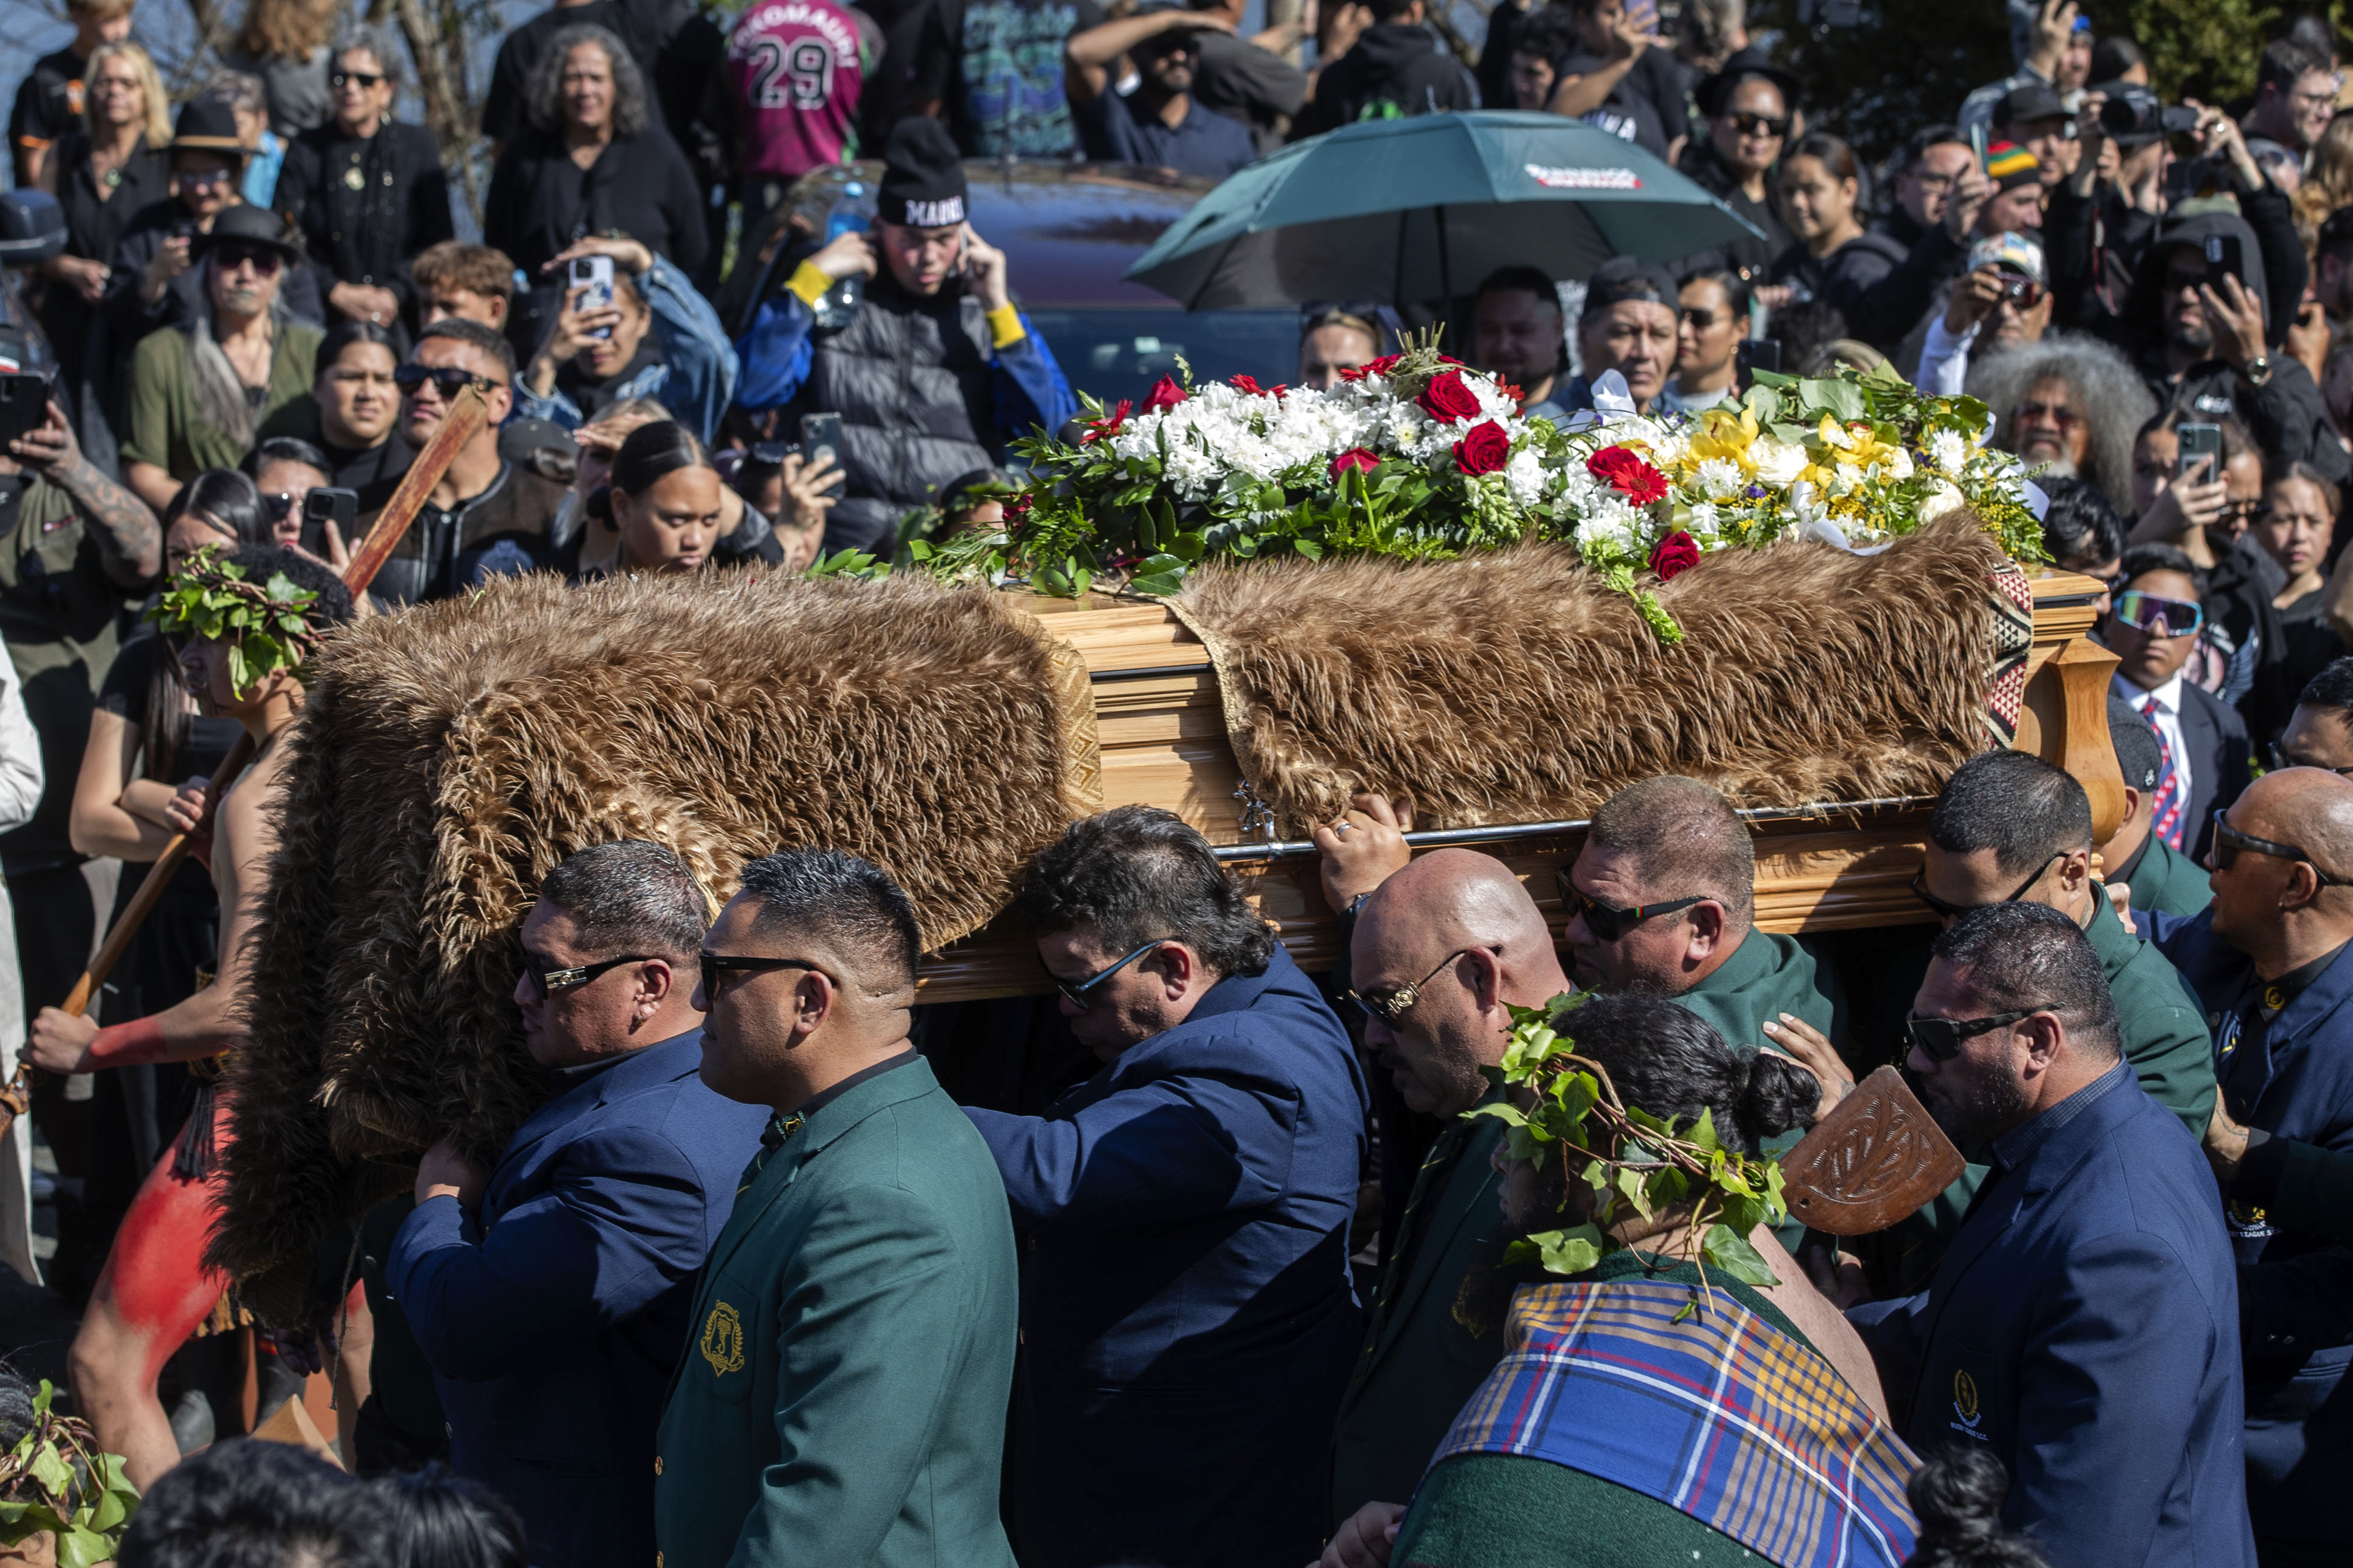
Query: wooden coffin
[[1839, 867]]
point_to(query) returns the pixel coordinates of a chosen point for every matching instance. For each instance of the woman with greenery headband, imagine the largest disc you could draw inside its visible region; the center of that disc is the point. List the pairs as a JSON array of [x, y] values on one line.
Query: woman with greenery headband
[[1671, 1390], [248, 617]]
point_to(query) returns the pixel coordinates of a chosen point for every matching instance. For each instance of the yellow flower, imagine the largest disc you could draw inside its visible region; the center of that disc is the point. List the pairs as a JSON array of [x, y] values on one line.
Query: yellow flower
[[1726, 437]]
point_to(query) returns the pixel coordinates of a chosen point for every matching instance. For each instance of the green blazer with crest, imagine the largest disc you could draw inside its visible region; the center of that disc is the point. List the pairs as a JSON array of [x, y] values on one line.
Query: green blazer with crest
[[843, 1398]]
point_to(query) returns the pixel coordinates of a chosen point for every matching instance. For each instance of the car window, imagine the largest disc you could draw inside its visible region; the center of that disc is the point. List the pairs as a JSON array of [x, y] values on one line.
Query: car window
[[1118, 351]]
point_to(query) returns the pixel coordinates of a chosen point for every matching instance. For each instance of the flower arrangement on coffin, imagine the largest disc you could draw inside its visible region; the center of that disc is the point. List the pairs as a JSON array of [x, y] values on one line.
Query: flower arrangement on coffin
[[1417, 457], [1857, 461]]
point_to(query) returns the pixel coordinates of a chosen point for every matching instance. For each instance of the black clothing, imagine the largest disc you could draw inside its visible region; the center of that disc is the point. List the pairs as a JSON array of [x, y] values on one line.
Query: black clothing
[[911, 379], [179, 938], [96, 216], [2307, 646], [1847, 279], [2285, 415], [1258, 87], [1643, 106], [643, 26], [49, 106], [2094, 248], [365, 208], [1749, 257], [1506, 25], [184, 297], [541, 201], [1396, 68], [374, 471], [434, 559]]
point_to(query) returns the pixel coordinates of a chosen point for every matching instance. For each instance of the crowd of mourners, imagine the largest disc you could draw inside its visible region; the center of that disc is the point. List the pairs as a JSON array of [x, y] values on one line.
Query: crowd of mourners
[[1201, 1261]]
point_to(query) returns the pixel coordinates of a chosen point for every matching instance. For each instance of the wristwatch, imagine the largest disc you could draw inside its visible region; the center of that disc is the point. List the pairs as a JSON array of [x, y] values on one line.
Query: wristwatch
[[2259, 370]]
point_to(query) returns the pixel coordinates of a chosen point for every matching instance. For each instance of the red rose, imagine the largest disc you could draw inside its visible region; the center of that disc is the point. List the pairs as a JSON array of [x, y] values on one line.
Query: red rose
[[1484, 449], [1623, 471], [1356, 458], [1109, 425], [1447, 398], [1676, 554], [1249, 384], [1018, 509], [1166, 394]]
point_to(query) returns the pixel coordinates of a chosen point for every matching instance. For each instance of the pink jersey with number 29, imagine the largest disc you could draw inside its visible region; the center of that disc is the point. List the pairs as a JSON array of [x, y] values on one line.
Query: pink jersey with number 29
[[797, 68]]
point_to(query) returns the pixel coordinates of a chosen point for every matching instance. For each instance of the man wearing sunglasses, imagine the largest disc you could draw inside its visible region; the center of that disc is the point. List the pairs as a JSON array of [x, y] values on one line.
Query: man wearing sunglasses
[[842, 1394], [2267, 961], [551, 1295], [1188, 1318], [2084, 1326], [483, 502], [1438, 957], [1662, 898], [2152, 626]]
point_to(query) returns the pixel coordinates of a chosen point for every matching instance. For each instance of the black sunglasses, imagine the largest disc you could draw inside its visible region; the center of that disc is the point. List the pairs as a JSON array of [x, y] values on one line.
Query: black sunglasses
[[276, 505], [715, 964], [229, 256], [545, 982], [447, 377], [2229, 841], [1758, 124], [1607, 920], [1940, 1038], [2281, 760], [1390, 1004], [1955, 912], [364, 79], [1076, 990]]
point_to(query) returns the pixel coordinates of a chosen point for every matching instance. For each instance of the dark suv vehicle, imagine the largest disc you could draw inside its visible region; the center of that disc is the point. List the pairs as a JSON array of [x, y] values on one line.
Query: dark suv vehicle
[[1068, 231]]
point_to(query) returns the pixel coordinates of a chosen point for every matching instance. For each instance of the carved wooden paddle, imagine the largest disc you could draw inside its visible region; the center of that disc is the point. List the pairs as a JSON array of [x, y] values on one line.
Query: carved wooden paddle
[[1876, 1159]]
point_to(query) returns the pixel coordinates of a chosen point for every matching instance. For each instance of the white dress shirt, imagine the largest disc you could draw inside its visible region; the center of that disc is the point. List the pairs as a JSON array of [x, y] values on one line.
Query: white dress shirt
[[2169, 724]]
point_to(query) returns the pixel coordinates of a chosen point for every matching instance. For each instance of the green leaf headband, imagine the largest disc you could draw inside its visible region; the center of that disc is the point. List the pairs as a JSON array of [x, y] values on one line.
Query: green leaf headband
[[264, 625], [1637, 1165]]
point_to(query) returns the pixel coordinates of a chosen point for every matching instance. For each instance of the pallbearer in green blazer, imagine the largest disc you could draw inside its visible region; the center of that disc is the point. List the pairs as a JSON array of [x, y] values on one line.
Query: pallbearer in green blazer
[[843, 1399]]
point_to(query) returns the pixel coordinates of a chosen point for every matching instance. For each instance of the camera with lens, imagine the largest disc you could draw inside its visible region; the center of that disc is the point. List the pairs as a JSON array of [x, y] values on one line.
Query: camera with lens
[[2133, 114]]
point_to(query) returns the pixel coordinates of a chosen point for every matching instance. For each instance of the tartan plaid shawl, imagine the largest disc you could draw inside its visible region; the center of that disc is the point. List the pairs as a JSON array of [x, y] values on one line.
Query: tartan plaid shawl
[[1723, 1415]]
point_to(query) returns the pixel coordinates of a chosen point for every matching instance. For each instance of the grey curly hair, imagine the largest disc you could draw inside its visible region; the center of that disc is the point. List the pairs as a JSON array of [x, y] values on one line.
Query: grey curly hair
[[543, 93], [2105, 387]]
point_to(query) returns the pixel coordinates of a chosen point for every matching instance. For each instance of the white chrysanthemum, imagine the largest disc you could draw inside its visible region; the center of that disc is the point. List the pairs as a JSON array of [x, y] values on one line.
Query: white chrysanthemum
[[1845, 480], [1524, 475], [1718, 479], [1941, 500], [1779, 463], [1949, 452]]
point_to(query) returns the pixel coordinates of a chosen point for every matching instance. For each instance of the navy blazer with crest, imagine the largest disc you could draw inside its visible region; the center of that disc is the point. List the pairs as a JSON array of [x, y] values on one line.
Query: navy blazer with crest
[[2085, 1327], [1187, 1309], [2296, 1289], [555, 1318]]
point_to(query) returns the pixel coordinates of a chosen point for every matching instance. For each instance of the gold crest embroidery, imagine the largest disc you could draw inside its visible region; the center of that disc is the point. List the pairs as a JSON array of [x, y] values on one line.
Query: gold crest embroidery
[[722, 1340], [1965, 1396]]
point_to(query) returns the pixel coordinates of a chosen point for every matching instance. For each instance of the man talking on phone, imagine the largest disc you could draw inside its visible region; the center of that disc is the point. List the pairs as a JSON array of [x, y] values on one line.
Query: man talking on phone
[[937, 369]]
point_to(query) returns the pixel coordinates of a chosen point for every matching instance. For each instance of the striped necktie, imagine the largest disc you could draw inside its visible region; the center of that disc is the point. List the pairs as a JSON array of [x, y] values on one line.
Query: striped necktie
[[2165, 814]]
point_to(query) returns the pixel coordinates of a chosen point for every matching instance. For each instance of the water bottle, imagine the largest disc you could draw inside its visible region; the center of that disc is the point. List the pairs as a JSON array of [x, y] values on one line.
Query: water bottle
[[852, 213]]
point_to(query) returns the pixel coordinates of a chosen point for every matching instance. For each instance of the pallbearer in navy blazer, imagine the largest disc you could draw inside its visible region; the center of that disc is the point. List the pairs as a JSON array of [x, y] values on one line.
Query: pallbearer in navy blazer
[[1187, 1314], [2267, 960], [2083, 1325], [552, 1297]]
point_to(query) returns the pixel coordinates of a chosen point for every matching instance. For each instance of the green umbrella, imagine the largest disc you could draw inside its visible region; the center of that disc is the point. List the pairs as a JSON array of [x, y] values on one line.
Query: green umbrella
[[1407, 209]]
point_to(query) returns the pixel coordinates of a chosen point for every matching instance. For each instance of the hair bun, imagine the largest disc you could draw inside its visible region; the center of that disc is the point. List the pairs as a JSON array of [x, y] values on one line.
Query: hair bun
[[1781, 1095], [599, 504]]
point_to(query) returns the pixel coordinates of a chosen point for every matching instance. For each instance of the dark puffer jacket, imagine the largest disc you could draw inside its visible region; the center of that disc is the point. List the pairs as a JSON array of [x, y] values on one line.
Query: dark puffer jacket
[[911, 379]]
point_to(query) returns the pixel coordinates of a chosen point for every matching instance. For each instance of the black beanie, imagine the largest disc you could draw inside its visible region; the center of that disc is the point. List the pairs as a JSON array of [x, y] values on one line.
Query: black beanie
[[923, 178]]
